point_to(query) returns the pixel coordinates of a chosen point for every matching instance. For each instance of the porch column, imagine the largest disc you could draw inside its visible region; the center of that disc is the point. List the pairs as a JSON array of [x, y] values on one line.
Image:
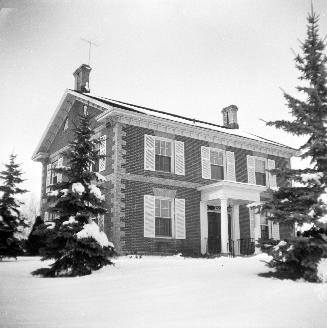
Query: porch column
[[224, 225], [236, 226], [257, 231], [204, 227]]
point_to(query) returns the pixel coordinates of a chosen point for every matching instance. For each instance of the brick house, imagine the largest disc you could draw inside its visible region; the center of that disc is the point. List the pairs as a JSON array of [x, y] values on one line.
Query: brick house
[[174, 184]]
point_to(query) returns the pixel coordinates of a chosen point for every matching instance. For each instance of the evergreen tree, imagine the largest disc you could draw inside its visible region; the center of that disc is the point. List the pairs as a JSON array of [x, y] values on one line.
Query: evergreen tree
[[73, 240], [302, 201], [35, 242], [11, 222]]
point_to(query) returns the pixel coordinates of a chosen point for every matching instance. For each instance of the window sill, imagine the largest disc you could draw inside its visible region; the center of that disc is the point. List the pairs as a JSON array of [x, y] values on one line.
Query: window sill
[[162, 237]]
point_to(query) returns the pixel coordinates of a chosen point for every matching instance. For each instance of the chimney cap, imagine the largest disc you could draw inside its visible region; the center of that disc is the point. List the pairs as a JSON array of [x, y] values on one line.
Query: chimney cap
[[229, 108], [83, 66]]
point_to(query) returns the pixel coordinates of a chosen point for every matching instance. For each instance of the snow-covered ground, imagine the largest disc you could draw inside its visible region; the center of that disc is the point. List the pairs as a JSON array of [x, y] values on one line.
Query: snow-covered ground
[[160, 292]]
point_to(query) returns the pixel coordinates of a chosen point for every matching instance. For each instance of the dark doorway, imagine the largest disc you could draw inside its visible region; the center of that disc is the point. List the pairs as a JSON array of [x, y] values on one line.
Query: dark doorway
[[214, 244], [214, 232]]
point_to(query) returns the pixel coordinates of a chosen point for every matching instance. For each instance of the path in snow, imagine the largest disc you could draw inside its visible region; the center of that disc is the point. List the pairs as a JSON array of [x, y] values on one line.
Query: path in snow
[[160, 292]]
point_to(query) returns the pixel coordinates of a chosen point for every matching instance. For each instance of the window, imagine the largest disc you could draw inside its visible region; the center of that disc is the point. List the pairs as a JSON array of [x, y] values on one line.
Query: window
[[95, 165], [163, 155], [260, 171], [54, 175], [163, 217], [217, 165], [264, 228]]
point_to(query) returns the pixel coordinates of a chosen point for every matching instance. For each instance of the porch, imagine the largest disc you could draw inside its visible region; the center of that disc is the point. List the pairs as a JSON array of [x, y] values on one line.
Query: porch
[[220, 218]]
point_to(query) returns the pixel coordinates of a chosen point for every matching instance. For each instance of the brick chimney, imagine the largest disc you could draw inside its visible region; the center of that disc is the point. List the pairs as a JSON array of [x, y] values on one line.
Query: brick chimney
[[230, 117], [82, 78]]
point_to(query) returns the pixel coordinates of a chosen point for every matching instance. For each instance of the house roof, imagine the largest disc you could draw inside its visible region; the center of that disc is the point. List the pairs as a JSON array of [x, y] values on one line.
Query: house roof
[[182, 119], [106, 105]]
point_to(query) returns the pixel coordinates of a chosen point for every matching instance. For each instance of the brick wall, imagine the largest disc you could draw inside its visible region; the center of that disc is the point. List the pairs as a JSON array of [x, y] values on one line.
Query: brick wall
[[192, 150], [134, 221]]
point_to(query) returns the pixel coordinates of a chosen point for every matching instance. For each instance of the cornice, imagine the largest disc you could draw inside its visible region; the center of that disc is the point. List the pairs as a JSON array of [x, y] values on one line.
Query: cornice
[[195, 132]]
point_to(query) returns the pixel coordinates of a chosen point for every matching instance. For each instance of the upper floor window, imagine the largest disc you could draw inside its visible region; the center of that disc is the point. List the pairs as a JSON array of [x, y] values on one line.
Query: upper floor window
[[260, 171], [99, 164], [217, 164], [53, 177], [163, 155]]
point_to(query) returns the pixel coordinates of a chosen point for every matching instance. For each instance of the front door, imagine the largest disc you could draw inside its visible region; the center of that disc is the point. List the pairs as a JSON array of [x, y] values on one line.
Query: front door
[[214, 232], [214, 244]]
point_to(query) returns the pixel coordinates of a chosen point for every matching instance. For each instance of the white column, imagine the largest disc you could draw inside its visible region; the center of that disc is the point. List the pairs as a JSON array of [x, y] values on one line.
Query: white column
[[236, 226], [224, 225], [204, 227], [257, 231]]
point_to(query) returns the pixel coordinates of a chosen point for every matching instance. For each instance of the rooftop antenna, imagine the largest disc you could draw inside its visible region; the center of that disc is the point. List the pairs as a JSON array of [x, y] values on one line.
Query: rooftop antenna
[[91, 43]]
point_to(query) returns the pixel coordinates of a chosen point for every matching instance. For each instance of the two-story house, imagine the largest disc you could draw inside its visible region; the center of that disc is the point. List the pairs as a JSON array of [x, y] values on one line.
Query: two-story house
[[174, 184]]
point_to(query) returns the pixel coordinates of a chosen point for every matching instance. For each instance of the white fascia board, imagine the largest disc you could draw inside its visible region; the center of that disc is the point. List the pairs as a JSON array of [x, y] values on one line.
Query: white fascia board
[[67, 94], [52, 120], [232, 190], [178, 126]]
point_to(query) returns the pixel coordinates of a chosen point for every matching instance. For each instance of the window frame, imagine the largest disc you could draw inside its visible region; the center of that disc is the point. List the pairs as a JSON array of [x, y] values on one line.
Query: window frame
[[172, 154], [263, 159], [222, 151], [172, 218], [54, 164]]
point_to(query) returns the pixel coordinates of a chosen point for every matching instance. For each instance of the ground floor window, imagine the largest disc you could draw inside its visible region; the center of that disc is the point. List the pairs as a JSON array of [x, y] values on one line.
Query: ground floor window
[[264, 227], [163, 217]]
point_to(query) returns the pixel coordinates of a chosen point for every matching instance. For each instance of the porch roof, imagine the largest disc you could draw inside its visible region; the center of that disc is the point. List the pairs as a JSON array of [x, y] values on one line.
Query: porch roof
[[238, 191]]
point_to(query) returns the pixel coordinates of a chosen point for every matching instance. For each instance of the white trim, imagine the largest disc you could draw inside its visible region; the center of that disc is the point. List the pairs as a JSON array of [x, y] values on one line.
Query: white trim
[[199, 133], [162, 124], [263, 159], [172, 153], [231, 190], [172, 216]]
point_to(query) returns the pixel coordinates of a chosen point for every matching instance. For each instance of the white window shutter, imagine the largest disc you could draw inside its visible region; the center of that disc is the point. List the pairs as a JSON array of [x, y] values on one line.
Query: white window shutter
[[252, 222], [179, 158], [274, 230], [272, 177], [48, 178], [205, 162], [103, 151], [251, 169], [230, 166], [149, 152], [59, 164], [180, 218], [149, 219]]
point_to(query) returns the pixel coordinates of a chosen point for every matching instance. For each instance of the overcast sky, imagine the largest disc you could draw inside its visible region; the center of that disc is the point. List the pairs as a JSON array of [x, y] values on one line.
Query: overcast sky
[[184, 56]]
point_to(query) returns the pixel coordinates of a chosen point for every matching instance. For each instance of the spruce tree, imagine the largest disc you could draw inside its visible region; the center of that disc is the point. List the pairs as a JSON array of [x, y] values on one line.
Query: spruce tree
[[300, 199], [34, 242], [73, 240], [12, 223]]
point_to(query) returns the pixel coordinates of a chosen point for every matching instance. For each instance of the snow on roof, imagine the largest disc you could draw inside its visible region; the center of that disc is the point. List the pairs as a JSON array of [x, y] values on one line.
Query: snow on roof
[[182, 119]]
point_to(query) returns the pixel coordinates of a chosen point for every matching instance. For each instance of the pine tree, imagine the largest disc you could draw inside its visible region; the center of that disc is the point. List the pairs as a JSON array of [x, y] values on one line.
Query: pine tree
[[11, 222], [35, 242], [302, 201], [73, 240]]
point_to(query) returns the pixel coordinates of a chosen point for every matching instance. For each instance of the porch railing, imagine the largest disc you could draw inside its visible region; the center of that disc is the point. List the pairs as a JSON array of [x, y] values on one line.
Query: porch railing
[[243, 246]]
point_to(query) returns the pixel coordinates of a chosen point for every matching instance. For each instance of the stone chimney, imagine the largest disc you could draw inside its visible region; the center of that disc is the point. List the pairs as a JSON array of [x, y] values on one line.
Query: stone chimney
[[82, 78], [230, 117]]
